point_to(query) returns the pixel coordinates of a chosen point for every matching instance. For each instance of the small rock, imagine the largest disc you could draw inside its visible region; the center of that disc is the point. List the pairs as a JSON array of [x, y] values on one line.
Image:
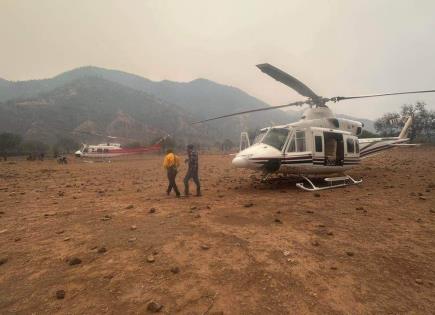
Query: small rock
[[102, 250], [321, 225], [175, 270], [106, 218], [133, 227], [74, 261], [315, 243], [151, 259], [349, 253], [419, 281], [197, 216], [248, 204], [316, 195], [309, 211], [278, 221], [133, 239], [60, 232], [60, 294], [17, 239], [66, 239], [330, 233], [432, 210], [333, 268], [193, 208], [422, 198], [3, 231], [154, 307], [3, 260], [359, 208], [205, 247], [129, 207], [152, 210]]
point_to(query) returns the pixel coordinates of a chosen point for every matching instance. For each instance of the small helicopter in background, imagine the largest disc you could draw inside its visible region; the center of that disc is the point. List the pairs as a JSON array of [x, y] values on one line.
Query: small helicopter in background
[[319, 144], [111, 149]]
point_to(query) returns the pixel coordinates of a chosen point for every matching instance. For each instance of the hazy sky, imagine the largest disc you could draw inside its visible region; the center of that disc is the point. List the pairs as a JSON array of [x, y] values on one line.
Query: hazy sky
[[343, 47]]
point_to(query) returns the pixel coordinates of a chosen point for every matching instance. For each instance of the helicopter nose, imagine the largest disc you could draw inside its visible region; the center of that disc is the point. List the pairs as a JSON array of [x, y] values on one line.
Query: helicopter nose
[[239, 161]]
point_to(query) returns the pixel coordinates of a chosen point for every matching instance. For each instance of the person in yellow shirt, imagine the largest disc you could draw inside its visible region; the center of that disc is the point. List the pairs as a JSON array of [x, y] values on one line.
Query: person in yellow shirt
[[171, 163]]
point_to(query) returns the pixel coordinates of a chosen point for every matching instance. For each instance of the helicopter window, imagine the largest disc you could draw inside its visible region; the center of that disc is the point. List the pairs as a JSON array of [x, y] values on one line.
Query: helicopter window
[[85, 150], [260, 136], [99, 150], [292, 146], [300, 141], [276, 137], [357, 146], [350, 145], [358, 131], [105, 150], [319, 143]]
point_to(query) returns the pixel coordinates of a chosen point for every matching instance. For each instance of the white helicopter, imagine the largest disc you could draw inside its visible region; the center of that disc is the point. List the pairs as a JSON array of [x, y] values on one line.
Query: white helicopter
[[317, 145]]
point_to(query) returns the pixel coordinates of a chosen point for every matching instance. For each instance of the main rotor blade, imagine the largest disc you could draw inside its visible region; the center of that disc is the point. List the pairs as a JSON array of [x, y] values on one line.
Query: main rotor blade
[[341, 98], [288, 80], [255, 110]]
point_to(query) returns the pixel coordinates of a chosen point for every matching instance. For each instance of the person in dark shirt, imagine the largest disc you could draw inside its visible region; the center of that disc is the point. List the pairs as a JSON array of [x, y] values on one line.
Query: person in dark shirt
[[192, 171]]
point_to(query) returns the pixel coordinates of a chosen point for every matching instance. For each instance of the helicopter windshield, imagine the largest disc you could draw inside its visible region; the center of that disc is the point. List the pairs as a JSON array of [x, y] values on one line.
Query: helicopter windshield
[[276, 137], [260, 136]]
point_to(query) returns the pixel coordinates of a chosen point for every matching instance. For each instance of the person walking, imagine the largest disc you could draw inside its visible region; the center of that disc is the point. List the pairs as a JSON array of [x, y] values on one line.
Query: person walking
[[192, 171], [171, 163]]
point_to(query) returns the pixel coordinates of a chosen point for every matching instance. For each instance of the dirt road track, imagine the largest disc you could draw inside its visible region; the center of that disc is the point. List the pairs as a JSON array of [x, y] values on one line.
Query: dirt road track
[[242, 248]]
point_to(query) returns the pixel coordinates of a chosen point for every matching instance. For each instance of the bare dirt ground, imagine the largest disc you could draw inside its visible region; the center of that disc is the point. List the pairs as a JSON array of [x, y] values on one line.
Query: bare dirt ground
[[242, 248]]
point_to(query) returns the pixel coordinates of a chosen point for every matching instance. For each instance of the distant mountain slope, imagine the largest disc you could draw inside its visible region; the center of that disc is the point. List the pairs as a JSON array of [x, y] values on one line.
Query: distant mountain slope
[[97, 105]]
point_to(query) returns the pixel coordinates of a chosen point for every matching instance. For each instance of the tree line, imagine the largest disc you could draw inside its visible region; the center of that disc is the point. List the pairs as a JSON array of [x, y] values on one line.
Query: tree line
[[423, 125], [12, 144]]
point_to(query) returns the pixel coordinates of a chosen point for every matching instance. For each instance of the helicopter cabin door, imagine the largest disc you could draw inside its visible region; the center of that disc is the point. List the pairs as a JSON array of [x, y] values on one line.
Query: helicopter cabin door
[[334, 148]]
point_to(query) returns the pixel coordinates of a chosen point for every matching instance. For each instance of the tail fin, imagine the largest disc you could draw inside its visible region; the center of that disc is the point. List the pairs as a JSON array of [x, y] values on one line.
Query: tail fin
[[404, 133]]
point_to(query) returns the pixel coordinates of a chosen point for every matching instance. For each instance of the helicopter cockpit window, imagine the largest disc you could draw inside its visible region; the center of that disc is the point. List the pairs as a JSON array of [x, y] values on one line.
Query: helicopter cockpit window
[[297, 142], [276, 137], [260, 136]]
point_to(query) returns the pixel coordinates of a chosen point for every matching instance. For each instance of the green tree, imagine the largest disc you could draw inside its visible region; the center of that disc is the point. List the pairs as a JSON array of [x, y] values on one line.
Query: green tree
[[9, 143], [367, 134], [65, 145], [423, 126], [34, 147], [227, 145]]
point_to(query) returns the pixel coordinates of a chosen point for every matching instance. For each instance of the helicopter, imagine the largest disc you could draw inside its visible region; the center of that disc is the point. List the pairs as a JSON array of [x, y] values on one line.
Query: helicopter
[[111, 149], [318, 145]]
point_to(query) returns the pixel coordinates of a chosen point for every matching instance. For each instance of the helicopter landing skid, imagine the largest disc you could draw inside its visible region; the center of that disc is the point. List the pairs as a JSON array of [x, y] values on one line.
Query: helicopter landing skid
[[334, 182]]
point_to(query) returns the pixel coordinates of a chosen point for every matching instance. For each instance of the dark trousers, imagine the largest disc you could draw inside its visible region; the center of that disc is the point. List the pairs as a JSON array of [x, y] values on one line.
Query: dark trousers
[[192, 174], [172, 173]]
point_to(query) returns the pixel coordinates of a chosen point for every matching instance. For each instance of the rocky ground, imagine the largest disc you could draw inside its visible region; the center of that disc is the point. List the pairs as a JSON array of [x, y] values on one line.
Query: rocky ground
[[96, 238]]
